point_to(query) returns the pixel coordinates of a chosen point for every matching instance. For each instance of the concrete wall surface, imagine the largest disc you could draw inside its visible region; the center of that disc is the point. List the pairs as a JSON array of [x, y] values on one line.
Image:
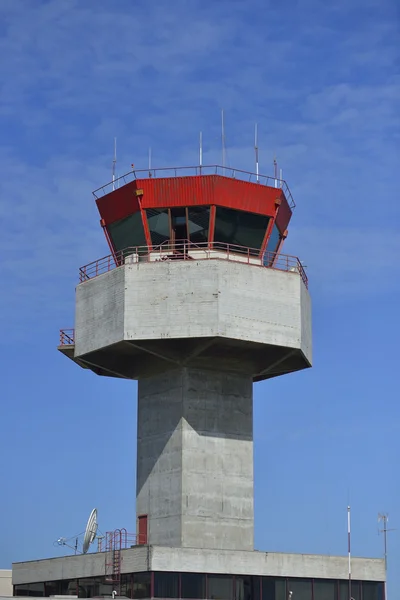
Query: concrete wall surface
[[181, 299], [6, 588], [156, 558], [195, 459]]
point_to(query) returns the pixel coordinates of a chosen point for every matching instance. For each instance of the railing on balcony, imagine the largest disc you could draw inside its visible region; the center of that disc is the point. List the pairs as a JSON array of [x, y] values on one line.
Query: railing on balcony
[[186, 250], [67, 337], [248, 176]]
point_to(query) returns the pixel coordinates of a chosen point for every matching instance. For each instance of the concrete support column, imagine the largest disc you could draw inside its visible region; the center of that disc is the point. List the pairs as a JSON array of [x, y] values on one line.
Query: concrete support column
[[195, 459]]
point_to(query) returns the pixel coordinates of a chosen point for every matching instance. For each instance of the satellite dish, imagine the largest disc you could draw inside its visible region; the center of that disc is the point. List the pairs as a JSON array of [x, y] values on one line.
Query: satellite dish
[[90, 531]]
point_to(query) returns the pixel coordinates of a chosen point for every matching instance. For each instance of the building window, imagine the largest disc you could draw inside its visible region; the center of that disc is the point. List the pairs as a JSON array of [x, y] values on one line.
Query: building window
[[159, 226], [141, 585], [166, 585], [128, 232], [246, 230], [220, 587], [301, 588], [193, 586], [126, 585], [247, 588], [89, 587], [272, 245], [273, 588], [29, 589], [325, 590], [344, 590], [198, 223], [372, 590]]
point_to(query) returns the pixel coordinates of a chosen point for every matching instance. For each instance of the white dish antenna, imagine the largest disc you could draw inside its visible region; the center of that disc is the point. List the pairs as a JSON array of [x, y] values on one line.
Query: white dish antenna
[[90, 531]]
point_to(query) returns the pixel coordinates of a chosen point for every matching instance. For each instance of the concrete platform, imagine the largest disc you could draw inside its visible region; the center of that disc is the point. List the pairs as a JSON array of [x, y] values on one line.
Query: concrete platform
[[192, 560], [148, 317]]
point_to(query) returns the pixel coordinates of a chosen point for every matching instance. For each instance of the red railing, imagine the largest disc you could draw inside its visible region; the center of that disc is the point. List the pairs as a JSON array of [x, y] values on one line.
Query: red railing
[[120, 539], [67, 337], [267, 180], [186, 250]]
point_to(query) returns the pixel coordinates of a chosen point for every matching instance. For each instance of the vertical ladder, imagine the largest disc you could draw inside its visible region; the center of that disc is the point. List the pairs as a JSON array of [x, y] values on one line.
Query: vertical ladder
[[115, 541]]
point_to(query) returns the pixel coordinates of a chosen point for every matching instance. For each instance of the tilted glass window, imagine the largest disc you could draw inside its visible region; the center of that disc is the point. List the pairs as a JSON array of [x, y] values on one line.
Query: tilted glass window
[[274, 239], [159, 225], [128, 232], [247, 587], [240, 228], [372, 590], [198, 220]]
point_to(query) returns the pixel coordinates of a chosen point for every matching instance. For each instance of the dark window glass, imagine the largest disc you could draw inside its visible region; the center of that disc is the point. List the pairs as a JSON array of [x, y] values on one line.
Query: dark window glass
[[274, 588], [344, 590], [178, 223], [198, 218], [193, 585], [247, 588], [220, 587], [29, 589], [65, 587], [141, 585], [325, 590], [166, 585], [372, 590], [127, 585], [301, 588], [158, 221], [272, 245], [240, 228], [128, 232], [89, 587]]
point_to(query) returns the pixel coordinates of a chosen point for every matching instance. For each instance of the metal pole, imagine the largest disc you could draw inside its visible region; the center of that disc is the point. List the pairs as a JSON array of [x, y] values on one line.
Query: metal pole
[[349, 548]]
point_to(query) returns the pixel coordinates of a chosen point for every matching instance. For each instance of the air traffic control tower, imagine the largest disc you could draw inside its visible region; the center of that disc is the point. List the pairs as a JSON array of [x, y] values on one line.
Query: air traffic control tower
[[197, 302]]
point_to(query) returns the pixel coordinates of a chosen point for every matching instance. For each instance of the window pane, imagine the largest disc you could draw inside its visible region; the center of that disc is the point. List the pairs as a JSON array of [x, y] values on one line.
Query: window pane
[[272, 245], [301, 588], [247, 588], [344, 590], [128, 232], [158, 221], [325, 590], [372, 590], [199, 217], [89, 587], [126, 585], [273, 588], [166, 585], [29, 589], [141, 585], [220, 587], [240, 228], [65, 587], [193, 585]]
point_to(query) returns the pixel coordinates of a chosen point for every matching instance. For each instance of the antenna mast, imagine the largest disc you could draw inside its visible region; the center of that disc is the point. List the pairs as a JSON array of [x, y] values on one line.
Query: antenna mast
[[114, 163], [349, 548], [223, 137], [201, 150], [275, 172], [256, 151], [384, 518], [149, 162]]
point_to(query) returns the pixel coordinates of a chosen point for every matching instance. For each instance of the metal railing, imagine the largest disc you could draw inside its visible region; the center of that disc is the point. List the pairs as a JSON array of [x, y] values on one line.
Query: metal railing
[[248, 176], [67, 337], [186, 250]]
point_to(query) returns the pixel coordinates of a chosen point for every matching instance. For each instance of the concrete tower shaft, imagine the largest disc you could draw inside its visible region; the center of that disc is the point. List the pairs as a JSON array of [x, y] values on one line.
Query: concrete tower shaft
[[196, 321]]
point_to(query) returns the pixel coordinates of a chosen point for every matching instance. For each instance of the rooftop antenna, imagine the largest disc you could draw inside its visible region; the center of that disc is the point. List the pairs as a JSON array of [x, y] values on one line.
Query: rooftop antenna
[[275, 172], [223, 137], [280, 177], [149, 162], [384, 518], [256, 151], [349, 549], [201, 150], [114, 163]]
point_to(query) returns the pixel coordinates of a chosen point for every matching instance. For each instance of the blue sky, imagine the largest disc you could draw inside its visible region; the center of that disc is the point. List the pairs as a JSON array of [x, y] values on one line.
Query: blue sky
[[323, 82]]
